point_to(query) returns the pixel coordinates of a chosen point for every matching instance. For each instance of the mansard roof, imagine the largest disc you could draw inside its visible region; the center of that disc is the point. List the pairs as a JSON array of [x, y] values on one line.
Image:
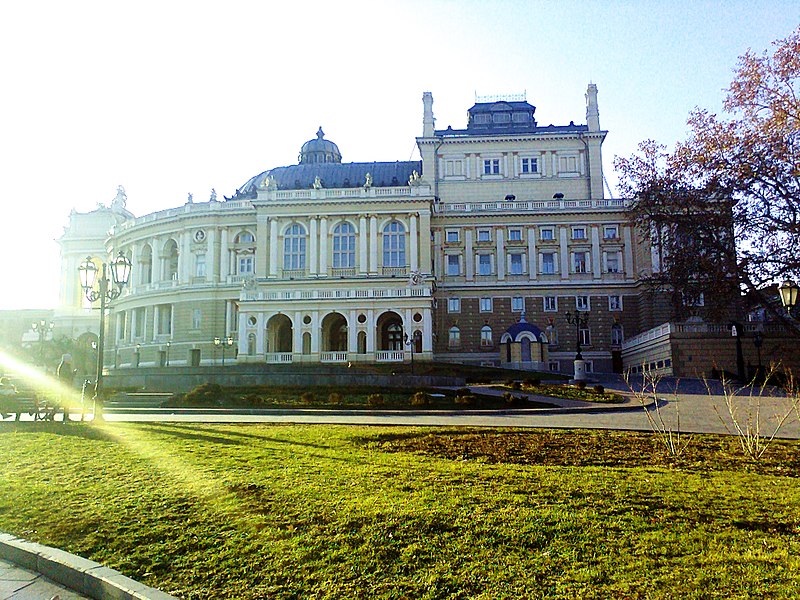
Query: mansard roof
[[333, 175]]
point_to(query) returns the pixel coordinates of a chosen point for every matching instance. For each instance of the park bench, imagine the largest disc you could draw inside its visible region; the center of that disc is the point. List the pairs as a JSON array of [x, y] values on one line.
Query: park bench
[[27, 401]]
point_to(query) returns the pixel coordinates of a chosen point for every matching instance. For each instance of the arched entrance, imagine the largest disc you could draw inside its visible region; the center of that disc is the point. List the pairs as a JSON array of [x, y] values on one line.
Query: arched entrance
[[334, 333], [279, 334], [390, 331]]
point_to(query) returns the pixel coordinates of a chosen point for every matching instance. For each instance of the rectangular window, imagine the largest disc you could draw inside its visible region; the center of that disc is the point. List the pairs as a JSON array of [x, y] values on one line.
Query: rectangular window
[[586, 338], [484, 235], [484, 264], [454, 168], [491, 166], [554, 366], [486, 305], [200, 265], [164, 312], [582, 303], [579, 233], [530, 165], [615, 303], [454, 305], [515, 235], [141, 320], [548, 263], [550, 304], [610, 232], [612, 262], [451, 236], [516, 264], [245, 265], [454, 337], [580, 262], [453, 267], [197, 318], [486, 337], [518, 304], [568, 164], [547, 234]]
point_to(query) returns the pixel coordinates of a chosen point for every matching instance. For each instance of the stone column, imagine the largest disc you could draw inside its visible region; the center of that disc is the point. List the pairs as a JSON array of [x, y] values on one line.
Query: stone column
[[427, 331], [533, 260], [425, 242], [315, 332], [260, 334], [242, 345], [352, 332], [224, 255], [627, 253], [564, 259], [373, 245], [372, 332], [261, 246], [595, 252], [273, 247], [312, 246], [323, 247], [134, 268], [156, 266], [212, 256], [363, 257], [414, 239], [469, 255], [501, 255]]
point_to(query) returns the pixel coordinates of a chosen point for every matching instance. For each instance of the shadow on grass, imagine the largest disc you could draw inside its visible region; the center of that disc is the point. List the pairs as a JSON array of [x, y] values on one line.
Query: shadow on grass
[[83, 430]]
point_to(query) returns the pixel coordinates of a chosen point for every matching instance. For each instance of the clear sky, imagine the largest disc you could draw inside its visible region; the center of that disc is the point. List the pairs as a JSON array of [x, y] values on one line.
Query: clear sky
[[168, 97]]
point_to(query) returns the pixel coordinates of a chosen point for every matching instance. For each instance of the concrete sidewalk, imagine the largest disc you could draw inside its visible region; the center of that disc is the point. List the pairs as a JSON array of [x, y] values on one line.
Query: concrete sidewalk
[[17, 583]]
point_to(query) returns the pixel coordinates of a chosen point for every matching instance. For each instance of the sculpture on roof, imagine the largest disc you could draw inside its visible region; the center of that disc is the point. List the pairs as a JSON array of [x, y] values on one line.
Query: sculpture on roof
[[317, 183], [414, 179], [118, 203], [190, 199], [368, 180], [213, 197], [270, 183]]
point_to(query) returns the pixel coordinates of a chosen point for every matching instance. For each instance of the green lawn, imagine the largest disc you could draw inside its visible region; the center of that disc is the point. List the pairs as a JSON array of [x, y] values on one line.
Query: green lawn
[[256, 511]]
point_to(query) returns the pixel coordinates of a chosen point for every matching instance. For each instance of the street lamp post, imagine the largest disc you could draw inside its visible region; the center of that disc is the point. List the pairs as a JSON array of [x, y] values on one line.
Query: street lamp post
[[758, 341], [223, 343], [138, 354], [108, 289], [169, 344], [42, 327], [579, 322], [409, 341], [789, 292]]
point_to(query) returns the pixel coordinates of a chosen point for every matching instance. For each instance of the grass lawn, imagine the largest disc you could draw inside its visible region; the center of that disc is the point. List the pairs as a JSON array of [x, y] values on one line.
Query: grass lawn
[[264, 511]]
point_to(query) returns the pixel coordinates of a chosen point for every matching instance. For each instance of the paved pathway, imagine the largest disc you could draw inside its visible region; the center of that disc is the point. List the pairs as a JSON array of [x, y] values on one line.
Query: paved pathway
[[17, 583]]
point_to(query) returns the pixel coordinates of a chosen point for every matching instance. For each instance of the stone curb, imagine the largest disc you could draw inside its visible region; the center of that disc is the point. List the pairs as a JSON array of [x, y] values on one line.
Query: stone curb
[[84, 576]]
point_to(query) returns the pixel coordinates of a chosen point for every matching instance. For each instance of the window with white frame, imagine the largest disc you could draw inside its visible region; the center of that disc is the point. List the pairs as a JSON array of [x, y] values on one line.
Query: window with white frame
[[244, 238], [579, 233], [615, 303], [486, 305], [518, 304], [585, 336], [454, 337], [491, 166], [453, 168], [394, 245], [548, 263], [486, 336], [453, 264], [454, 305], [552, 335], [484, 264], [484, 235], [451, 236], [580, 262], [164, 319], [554, 366], [515, 235], [246, 265], [693, 299], [610, 232], [547, 234], [200, 265], [530, 165], [550, 304], [582, 303], [344, 246], [197, 318], [294, 248], [141, 321], [617, 335], [568, 164], [613, 262], [515, 266]]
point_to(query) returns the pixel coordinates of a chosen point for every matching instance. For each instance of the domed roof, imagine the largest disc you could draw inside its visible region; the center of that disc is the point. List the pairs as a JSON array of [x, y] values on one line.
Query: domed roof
[[523, 326], [320, 150]]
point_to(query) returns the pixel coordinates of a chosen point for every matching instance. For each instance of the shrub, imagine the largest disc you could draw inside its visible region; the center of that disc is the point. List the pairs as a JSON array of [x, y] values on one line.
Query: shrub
[[308, 397], [516, 385], [508, 397], [581, 385], [533, 381], [599, 389], [206, 393], [420, 399], [463, 391], [465, 400], [335, 398], [375, 400]]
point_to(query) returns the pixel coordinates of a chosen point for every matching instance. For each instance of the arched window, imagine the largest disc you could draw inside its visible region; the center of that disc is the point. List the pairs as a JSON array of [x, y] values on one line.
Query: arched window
[[454, 337], [525, 349], [617, 335], [486, 336], [344, 246], [394, 245], [171, 261], [306, 343], [251, 344], [146, 265], [245, 237], [294, 248], [395, 336]]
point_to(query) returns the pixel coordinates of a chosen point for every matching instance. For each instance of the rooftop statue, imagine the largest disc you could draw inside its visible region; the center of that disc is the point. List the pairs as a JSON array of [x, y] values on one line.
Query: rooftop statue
[[120, 199]]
